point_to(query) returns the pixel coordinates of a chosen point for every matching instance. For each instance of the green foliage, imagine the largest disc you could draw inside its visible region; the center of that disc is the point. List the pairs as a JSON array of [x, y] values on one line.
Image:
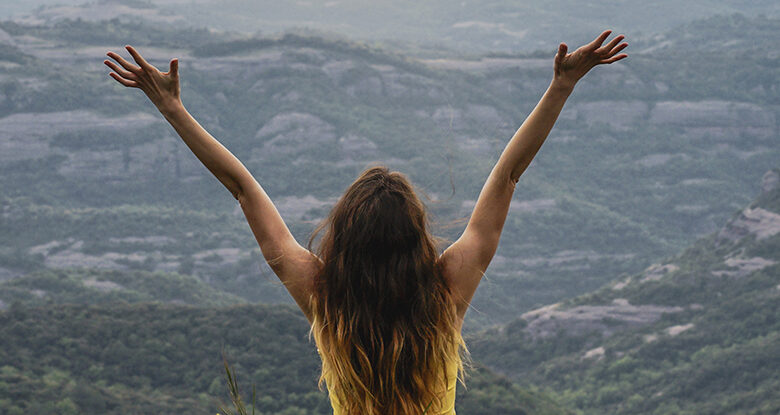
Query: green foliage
[[155, 358], [235, 394], [486, 390]]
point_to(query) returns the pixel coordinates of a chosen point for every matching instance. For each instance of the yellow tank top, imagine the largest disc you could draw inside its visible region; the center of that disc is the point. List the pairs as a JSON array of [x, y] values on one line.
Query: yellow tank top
[[448, 401]]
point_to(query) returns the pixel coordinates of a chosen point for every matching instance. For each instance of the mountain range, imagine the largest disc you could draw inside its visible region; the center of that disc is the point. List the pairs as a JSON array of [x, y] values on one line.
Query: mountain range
[[647, 156]]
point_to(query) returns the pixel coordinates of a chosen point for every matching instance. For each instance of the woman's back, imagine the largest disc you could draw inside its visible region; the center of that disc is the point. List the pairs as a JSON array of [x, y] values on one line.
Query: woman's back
[[447, 406]]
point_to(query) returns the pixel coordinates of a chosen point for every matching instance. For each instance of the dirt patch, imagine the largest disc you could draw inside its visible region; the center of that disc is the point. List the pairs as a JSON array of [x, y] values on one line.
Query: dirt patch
[[675, 330], [596, 353], [103, 286], [657, 271]]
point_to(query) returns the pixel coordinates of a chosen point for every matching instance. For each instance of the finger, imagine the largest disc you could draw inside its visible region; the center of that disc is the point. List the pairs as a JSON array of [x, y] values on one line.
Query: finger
[[125, 64], [611, 45], [562, 48], [614, 58], [123, 73], [599, 40], [138, 58], [616, 50], [123, 81]]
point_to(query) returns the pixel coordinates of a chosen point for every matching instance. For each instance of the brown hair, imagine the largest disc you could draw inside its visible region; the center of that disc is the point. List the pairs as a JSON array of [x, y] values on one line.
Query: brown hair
[[384, 318]]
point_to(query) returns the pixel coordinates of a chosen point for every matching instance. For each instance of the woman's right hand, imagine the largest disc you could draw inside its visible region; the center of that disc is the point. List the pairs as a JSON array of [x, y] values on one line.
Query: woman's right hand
[[162, 88], [569, 68]]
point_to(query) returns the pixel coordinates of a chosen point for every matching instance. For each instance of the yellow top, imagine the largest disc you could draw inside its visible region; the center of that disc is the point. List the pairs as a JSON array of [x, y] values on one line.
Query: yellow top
[[448, 402]]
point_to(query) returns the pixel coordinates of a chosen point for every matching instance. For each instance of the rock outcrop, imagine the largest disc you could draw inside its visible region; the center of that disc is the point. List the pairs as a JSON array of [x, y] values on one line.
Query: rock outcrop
[[758, 222], [605, 319], [292, 134], [770, 181]]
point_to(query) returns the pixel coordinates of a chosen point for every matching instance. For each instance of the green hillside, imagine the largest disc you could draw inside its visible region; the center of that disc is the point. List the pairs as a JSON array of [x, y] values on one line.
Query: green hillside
[[95, 286], [696, 333], [154, 358]]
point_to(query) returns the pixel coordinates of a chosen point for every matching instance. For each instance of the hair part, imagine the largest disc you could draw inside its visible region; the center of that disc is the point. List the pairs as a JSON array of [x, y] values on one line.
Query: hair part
[[385, 320]]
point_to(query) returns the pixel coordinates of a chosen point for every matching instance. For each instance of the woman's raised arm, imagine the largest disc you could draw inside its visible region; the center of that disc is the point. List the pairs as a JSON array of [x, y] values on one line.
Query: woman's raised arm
[[467, 258], [290, 261]]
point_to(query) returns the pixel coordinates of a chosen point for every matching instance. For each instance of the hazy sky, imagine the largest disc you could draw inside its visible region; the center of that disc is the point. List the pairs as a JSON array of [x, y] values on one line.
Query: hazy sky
[[465, 25]]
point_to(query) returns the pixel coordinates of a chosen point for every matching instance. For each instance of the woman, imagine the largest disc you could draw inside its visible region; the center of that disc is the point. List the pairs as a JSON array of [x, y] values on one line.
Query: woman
[[386, 310]]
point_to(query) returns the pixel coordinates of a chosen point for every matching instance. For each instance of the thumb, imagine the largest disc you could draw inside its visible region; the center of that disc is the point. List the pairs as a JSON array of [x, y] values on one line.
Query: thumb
[[174, 71], [562, 48]]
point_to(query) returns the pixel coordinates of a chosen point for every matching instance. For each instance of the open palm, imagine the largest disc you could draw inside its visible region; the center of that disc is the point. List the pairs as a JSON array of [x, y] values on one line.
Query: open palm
[[162, 88], [569, 68]]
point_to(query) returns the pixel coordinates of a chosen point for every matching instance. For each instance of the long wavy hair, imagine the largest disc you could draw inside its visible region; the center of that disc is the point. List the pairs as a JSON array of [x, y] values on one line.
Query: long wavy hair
[[384, 318]]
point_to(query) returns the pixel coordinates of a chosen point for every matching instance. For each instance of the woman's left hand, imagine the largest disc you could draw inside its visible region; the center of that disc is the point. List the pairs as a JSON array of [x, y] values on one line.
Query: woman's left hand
[[162, 88]]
